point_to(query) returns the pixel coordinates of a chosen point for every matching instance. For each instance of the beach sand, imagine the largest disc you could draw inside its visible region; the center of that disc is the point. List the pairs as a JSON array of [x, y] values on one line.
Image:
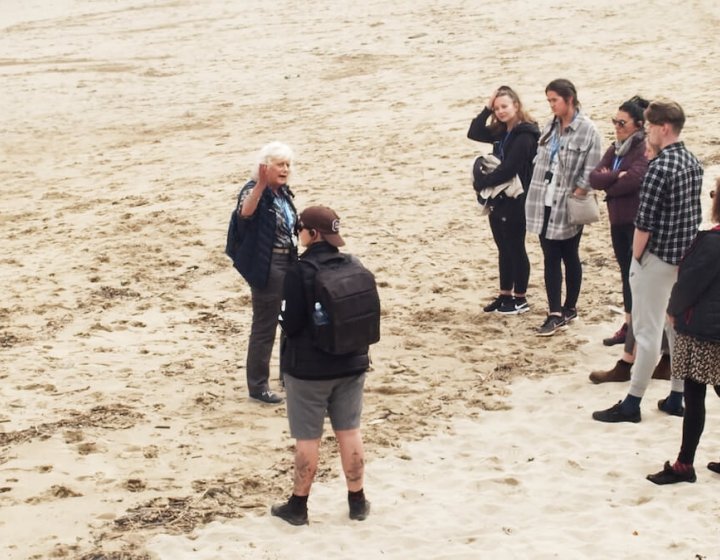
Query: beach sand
[[128, 128]]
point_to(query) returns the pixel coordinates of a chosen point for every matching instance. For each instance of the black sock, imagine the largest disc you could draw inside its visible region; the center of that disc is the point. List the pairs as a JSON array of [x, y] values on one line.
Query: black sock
[[356, 496], [674, 400], [298, 503], [631, 404]]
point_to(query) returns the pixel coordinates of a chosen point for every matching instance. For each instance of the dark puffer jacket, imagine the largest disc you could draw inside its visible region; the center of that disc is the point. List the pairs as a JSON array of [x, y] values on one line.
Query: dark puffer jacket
[[695, 298], [298, 356], [516, 153]]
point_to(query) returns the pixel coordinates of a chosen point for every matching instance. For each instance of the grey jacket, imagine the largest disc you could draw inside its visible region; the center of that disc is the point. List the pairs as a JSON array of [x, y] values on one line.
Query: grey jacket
[[579, 153]]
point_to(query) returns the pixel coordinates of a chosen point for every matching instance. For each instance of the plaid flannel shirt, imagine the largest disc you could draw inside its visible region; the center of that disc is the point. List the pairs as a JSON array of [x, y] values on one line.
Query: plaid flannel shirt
[[580, 151], [670, 202]]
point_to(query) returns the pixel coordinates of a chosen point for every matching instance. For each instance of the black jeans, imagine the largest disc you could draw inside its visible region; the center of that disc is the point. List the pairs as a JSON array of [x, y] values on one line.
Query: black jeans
[[266, 308], [622, 241], [507, 222], [556, 253]]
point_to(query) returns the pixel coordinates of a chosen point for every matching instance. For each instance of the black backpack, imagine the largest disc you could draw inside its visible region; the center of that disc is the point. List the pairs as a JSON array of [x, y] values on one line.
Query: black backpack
[[348, 294]]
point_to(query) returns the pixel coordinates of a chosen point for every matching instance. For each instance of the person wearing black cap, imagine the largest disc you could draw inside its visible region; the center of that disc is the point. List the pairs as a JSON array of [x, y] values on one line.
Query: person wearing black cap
[[316, 382]]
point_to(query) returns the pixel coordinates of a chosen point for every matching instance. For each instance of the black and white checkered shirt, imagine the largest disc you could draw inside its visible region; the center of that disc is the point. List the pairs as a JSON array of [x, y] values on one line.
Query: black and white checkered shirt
[[670, 202]]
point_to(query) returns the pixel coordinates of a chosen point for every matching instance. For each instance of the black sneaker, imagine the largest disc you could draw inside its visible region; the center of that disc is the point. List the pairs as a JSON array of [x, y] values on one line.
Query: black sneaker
[[552, 324], [287, 513], [569, 314], [496, 303], [267, 397], [669, 476], [514, 306], [359, 509], [615, 414]]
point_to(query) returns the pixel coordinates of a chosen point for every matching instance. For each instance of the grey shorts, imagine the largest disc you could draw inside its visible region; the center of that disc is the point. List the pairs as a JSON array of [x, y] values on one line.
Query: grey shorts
[[309, 401]]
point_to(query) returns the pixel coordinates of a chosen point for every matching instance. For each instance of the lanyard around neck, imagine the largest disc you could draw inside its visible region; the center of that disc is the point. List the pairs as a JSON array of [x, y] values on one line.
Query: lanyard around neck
[[555, 138]]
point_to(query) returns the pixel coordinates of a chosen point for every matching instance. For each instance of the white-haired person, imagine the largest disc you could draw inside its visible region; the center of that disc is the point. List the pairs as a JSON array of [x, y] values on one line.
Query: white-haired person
[[268, 246]]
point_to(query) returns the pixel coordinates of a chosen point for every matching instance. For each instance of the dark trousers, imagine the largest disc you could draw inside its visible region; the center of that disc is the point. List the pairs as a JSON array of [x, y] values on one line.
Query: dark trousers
[[557, 253], [266, 308], [622, 241], [693, 420], [507, 223]]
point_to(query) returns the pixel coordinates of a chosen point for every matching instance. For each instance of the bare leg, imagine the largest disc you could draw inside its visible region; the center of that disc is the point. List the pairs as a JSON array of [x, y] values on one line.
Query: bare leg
[[306, 461], [352, 456]]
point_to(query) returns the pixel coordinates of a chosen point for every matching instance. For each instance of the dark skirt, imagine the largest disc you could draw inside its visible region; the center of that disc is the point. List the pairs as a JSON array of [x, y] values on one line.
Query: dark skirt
[[696, 359]]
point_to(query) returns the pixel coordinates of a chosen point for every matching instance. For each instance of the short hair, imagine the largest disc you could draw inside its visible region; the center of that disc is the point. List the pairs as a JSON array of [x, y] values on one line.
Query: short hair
[[273, 151], [666, 112], [565, 89], [635, 107], [715, 209]]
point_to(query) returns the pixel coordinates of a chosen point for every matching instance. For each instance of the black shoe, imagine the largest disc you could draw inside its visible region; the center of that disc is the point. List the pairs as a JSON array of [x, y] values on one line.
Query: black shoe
[[359, 509], [495, 304], [288, 513], [669, 476], [714, 467], [615, 414], [662, 405], [552, 324], [513, 306], [569, 314], [267, 397]]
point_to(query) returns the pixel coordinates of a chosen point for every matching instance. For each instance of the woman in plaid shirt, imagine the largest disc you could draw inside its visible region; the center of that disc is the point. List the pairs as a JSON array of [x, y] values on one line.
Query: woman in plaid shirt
[[569, 149]]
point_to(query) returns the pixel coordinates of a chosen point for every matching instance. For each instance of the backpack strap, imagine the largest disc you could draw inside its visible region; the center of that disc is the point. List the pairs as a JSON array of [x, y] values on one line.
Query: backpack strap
[[314, 262]]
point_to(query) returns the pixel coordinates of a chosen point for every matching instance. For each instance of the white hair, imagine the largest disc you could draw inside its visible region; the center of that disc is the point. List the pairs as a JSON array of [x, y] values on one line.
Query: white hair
[[274, 151]]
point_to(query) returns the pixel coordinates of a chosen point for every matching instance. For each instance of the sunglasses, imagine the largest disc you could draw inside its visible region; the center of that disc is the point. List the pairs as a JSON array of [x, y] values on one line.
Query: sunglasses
[[299, 226], [619, 122]]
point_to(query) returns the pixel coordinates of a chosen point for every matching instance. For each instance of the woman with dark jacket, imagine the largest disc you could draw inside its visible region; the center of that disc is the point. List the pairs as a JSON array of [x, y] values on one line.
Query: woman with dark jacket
[[266, 248], [694, 310], [514, 135], [620, 174]]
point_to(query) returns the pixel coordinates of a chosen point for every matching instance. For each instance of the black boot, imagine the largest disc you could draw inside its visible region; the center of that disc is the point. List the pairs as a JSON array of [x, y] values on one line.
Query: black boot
[[294, 511]]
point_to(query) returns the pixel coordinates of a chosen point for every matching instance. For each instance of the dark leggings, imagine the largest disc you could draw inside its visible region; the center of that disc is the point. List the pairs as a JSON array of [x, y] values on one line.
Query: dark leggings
[[556, 253], [693, 419], [622, 240], [507, 222]]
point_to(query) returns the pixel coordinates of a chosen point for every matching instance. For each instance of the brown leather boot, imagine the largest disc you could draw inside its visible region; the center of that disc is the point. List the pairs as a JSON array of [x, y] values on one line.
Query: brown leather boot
[[621, 372], [662, 369]]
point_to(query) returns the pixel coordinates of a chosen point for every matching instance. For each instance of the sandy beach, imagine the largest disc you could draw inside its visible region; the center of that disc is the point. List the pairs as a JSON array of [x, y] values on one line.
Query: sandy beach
[[125, 429]]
